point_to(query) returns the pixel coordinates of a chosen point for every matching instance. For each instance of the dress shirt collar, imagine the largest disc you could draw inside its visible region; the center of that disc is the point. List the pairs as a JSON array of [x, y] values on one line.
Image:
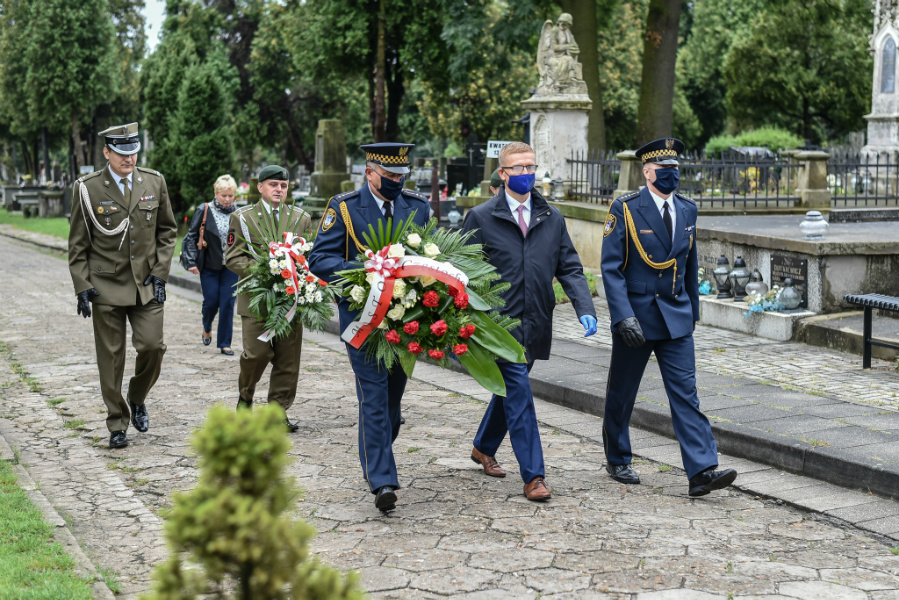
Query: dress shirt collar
[[514, 204]]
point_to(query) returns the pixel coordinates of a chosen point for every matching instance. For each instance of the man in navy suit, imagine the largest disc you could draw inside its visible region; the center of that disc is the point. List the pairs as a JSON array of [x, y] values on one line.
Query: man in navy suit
[[527, 241], [650, 274], [339, 241]]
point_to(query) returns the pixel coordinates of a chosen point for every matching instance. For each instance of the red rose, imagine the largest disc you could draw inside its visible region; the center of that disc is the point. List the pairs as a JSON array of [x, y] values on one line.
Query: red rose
[[435, 354], [439, 328], [453, 291], [460, 349], [322, 283], [415, 348], [467, 331], [286, 274], [411, 327], [431, 299], [290, 291], [462, 301], [393, 337], [310, 278]]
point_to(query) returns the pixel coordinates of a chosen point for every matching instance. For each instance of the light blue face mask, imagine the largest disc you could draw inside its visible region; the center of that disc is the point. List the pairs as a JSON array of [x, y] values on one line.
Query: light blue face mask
[[667, 180]]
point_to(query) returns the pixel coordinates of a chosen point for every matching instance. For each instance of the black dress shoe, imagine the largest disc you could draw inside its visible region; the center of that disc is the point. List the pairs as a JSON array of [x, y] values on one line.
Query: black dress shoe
[[402, 420], [227, 351], [241, 403], [291, 427], [623, 474], [385, 498], [207, 340], [118, 439], [709, 480], [139, 417]]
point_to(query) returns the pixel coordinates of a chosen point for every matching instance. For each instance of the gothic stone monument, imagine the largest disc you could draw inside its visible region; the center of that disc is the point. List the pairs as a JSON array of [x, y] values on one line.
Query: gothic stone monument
[[559, 107], [883, 122]]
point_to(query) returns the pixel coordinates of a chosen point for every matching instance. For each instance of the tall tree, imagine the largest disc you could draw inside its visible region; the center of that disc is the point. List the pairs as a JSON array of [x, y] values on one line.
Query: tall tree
[[804, 66], [655, 110], [73, 70], [584, 28]]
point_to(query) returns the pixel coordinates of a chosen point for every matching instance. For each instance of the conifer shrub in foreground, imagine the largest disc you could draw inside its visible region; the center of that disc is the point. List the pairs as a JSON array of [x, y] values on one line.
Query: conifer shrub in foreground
[[230, 536]]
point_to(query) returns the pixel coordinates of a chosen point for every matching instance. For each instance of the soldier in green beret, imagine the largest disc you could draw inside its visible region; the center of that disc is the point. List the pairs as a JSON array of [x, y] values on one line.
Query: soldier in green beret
[[121, 241], [244, 240]]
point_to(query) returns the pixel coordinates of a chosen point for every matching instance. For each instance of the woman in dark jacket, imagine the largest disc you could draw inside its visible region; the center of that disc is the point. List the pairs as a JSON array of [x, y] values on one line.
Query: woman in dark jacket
[[209, 263]]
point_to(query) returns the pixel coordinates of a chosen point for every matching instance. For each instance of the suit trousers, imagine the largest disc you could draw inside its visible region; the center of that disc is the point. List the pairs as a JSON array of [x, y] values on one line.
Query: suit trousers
[[218, 298], [677, 363], [109, 338], [515, 414], [284, 356], [380, 393]]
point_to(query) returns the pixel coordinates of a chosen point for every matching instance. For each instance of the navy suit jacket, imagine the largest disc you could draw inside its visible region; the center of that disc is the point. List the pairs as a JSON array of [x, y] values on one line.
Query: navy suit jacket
[[665, 304], [336, 247], [529, 265]]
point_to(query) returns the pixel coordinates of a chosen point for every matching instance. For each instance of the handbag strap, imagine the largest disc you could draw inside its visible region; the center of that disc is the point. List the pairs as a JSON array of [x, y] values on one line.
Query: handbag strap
[[201, 239]]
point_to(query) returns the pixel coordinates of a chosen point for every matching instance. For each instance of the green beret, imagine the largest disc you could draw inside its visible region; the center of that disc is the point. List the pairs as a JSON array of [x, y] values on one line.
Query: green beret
[[495, 180], [276, 172]]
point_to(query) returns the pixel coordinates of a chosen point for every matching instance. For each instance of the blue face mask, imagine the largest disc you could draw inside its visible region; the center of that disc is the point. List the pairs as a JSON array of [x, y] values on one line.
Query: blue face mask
[[521, 184], [667, 180], [390, 189]]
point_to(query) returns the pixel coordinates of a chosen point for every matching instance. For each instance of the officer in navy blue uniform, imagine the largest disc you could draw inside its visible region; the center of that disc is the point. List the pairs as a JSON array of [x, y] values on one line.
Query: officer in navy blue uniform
[[650, 274], [336, 247]]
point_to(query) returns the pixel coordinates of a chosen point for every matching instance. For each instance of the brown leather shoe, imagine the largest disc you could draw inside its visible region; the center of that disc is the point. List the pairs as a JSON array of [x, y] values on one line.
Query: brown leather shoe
[[491, 467], [537, 490]]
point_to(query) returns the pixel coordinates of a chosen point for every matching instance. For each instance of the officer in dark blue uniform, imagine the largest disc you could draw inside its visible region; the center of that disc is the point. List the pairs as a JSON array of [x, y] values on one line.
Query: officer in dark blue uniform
[[336, 247], [650, 274]]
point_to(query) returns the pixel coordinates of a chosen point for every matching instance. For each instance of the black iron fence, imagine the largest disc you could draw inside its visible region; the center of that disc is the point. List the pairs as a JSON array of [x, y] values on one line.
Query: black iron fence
[[856, 180], [756, 178]]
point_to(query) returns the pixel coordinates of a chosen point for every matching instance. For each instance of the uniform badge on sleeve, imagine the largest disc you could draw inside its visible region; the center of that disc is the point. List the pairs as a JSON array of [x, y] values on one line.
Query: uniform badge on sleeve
[[231, 237], [610, 225], [329, 220]]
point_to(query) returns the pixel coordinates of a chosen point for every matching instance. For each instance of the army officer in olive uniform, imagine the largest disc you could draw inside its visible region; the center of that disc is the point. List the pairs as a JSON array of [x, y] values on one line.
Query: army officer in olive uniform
[[121, 241], [282, 353]]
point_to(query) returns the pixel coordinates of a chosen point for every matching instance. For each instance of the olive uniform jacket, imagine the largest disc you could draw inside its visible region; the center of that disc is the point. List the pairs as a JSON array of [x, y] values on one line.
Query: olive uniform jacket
[[115, 242], [245, 226]]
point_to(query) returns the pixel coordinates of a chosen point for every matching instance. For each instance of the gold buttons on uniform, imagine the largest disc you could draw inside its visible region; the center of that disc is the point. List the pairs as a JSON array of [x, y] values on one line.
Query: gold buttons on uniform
[[660, 275], [657, 295]]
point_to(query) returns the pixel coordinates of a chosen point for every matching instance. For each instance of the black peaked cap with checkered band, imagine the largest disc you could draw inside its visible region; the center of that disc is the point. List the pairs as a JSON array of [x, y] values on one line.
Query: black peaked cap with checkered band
[[663, 151], [390, 156]]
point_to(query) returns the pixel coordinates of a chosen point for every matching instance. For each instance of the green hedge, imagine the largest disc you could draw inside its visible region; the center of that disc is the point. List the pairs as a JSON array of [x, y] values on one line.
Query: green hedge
[[772, 137]]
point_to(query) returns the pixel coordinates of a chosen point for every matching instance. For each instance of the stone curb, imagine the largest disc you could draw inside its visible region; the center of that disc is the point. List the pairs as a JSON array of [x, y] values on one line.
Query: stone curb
[[61, 533]]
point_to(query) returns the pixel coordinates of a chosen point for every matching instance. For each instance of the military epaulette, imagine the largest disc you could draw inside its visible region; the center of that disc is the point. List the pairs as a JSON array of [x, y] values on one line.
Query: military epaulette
[[243, 209], [89, 176], [344, 196], [627, 196], [416, 195], [682, 197], [150, 171]]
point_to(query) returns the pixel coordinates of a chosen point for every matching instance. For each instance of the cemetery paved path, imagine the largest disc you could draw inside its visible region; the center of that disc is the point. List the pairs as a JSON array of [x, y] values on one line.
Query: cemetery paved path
[[455, 533]]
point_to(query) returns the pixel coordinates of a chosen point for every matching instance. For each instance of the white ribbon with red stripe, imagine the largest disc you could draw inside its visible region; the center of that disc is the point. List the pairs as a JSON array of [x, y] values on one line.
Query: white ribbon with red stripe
[[386, 271], [293, 254]]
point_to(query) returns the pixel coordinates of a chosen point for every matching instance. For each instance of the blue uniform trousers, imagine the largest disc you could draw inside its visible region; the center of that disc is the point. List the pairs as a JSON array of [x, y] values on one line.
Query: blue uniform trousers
[[379, 393], [677, 363], [514, 413], [218, 298]]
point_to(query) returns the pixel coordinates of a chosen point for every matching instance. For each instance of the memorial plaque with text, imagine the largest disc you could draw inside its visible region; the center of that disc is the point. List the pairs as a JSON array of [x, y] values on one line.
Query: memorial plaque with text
[[796, 269]]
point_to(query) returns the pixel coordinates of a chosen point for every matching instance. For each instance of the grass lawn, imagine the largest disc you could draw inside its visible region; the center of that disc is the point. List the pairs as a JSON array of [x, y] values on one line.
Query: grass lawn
[[32, 566], [58, 226], [561, 298]]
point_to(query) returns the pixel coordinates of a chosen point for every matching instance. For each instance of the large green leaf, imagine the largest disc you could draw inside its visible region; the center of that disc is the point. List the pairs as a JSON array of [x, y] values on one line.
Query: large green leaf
[[482, 367], [475, 301], [407, 361], [496, 339]]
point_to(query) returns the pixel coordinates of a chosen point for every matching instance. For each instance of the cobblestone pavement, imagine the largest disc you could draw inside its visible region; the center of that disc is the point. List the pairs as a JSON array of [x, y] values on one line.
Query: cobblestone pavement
[[788, 365], [455, 532]]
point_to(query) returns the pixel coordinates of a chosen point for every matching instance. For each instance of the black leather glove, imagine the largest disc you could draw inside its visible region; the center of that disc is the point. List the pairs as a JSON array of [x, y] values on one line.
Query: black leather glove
[[629, 329], [158, 287], [84, 302]]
